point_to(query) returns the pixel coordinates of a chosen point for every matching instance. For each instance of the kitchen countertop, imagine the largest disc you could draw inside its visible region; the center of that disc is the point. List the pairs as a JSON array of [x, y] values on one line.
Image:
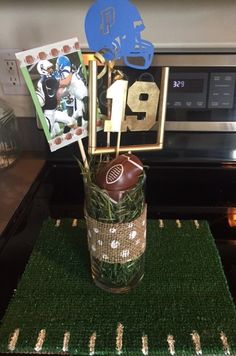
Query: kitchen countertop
[[15, 183]]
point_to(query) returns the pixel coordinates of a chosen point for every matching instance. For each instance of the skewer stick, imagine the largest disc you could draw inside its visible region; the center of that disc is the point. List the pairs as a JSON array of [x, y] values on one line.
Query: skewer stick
[[110, 66], [92, 138], [118, 143], [83, 154]]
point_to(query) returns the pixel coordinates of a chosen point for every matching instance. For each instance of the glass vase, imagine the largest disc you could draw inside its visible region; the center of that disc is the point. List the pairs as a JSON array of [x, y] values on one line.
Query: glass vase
[[116, 234]]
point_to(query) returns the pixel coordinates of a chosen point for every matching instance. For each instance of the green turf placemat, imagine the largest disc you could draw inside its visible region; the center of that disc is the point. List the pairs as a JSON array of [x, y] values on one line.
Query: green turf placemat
[[184, 290]]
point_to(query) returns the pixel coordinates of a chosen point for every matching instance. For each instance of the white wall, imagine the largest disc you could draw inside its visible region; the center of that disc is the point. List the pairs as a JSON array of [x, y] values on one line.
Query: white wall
[[169, 23]]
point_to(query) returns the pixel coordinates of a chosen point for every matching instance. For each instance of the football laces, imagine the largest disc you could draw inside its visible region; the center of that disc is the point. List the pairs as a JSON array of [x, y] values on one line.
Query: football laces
[[114, 174]]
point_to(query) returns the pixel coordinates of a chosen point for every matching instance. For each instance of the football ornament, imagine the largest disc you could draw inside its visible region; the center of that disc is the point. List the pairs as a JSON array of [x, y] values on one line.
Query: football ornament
[[119, 175]]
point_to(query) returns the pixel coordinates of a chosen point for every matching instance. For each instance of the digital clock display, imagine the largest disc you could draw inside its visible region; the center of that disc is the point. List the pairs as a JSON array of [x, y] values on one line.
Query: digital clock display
[[186, 85]]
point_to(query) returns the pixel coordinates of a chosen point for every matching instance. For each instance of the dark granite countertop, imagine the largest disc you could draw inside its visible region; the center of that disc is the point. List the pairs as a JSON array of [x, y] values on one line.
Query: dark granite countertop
[[15, 183]]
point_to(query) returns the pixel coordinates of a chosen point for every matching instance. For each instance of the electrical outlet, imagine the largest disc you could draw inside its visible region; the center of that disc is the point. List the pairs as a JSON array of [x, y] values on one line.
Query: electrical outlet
[[12, 69], [11, 78]]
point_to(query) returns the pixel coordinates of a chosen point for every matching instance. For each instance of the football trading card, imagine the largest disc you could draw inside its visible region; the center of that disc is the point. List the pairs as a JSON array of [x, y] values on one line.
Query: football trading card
[[56, 78]]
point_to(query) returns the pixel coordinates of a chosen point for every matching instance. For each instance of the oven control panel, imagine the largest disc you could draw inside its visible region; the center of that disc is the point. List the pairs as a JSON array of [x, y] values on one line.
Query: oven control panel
[[200, 98], [187, 90], [221, 90], [201, 90]]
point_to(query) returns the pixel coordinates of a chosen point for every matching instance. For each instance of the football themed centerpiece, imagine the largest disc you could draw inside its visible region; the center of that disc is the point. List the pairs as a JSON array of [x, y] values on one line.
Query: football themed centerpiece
[[115, 214], [63, 84], [115, 208], [181, 304]]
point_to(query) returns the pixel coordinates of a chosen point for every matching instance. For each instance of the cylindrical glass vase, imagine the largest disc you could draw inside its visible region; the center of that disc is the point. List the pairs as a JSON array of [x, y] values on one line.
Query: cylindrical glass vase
[[116, 237]]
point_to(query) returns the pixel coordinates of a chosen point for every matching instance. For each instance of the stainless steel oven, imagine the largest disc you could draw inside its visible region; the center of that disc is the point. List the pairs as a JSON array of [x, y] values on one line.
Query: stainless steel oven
[[201, 92], [201, 95], [188, 179], [201, 104]]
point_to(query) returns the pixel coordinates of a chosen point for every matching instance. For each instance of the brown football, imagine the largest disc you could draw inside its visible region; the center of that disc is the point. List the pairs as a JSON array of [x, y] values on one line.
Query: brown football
[[119, 175]]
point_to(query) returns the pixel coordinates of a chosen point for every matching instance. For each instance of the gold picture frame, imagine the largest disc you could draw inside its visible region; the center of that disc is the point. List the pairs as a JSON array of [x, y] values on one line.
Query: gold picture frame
[[92, 142]]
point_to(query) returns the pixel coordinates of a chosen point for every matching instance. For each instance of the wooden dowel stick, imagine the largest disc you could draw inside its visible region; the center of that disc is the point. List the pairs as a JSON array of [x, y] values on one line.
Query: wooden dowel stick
[[118, 143], [83, 154]]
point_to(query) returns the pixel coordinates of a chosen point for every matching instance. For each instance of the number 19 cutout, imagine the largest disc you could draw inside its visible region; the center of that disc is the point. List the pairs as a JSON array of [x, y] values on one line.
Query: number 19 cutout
[[118, 93]]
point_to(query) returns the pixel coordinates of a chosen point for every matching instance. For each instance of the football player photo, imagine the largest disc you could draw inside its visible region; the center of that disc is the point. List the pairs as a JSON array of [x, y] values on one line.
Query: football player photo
[[57, 81]]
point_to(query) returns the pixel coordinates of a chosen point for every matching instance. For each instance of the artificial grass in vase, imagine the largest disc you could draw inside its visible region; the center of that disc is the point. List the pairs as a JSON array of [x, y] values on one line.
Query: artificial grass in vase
[[183, 297]]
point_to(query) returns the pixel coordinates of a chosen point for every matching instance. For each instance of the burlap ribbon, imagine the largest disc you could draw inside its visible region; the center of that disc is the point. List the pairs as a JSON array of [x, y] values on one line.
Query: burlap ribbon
[[117, 243]]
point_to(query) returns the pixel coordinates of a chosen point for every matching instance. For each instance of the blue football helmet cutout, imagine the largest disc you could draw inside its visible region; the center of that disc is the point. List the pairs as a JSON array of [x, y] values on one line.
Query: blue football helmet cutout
[[115, 26]]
